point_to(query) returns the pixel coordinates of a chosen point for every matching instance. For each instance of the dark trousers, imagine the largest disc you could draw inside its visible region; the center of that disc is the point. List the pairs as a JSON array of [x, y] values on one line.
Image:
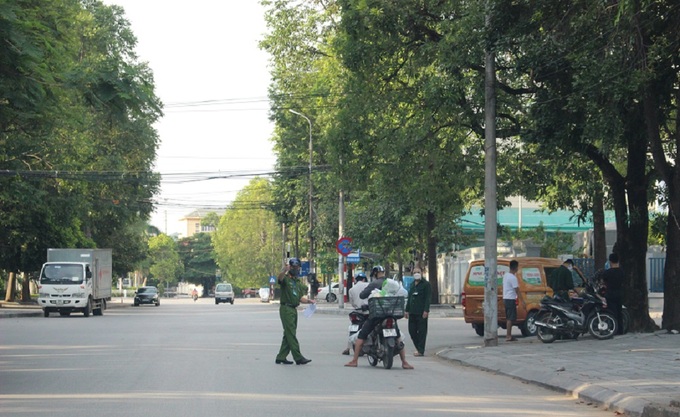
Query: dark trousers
[[417, 329], [615, 304], [289, 319]]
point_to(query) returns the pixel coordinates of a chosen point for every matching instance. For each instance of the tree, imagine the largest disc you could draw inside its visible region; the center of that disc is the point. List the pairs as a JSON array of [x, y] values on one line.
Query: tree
[[166, 265], [247, 243], [77, 129], [196, 254]]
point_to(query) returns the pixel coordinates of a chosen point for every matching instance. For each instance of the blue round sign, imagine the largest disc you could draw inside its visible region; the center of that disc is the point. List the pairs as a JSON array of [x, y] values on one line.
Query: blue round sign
[[344, 246]]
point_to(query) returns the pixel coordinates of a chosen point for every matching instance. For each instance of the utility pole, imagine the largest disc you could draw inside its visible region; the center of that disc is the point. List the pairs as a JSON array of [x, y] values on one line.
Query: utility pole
[[341, 259], [490, 232], [312, 269]]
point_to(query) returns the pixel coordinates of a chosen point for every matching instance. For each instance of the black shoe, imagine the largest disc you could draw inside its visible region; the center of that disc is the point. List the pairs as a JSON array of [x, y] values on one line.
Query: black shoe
[[302, 361], [283, 362]]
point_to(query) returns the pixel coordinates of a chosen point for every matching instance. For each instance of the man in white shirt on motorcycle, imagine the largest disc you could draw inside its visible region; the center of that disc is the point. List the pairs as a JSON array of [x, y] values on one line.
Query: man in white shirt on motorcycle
[[357, 303]]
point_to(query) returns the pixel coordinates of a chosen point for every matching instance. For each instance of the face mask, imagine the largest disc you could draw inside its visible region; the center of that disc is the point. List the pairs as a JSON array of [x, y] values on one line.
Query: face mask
[[570, 268], [417, 276]]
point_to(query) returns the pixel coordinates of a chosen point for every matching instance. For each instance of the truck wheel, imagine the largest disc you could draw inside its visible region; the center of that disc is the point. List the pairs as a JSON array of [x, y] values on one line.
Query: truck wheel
[[88, 309], [46, 313], [231, 302]]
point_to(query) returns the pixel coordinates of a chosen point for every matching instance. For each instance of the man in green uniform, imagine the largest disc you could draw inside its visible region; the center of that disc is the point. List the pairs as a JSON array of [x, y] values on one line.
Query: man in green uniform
[[292, 294], [417, 310], [561, 280]]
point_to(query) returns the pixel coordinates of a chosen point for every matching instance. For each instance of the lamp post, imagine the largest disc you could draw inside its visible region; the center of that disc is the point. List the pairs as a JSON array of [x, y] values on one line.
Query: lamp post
[[311, 211]]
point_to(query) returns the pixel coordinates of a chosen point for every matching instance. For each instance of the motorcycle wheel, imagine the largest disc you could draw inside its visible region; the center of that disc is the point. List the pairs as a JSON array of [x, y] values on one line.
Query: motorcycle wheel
[[603, 327], [388, 359], [545, 334]]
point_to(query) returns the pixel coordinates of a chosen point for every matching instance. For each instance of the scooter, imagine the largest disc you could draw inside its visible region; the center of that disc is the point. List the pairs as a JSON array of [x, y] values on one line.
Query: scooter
[[382, 344], [569, 319], [195, 297]]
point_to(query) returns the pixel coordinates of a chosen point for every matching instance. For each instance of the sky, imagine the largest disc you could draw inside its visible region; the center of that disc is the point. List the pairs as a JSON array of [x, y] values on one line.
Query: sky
[[213, 80]]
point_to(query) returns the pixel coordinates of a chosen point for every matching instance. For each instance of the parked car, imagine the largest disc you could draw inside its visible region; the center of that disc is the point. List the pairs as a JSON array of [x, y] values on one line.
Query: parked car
[[532, 278], [224, 293], [330, 297], [264, 294], [146, 295]]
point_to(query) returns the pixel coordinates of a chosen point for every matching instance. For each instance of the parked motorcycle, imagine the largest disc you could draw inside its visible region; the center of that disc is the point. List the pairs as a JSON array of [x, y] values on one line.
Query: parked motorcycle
[[382, 344], [560, 318]]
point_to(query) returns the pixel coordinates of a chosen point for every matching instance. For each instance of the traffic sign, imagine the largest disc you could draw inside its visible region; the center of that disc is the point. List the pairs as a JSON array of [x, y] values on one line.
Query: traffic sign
[[272, 279], [344, 246], [353, 258]]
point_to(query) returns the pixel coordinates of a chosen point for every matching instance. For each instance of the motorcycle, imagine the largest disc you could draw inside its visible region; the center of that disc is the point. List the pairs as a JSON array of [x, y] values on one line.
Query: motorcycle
[[195, 297], [569, 319], [382, 344]]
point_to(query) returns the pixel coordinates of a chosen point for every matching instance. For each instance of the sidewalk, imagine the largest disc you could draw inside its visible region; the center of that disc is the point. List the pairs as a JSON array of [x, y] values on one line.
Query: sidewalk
[[636, 374]]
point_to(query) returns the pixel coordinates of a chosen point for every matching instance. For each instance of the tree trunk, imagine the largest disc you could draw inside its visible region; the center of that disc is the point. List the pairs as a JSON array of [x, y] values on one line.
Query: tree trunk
[[26, 288], [432, 257], [599, 231], [9, 294]]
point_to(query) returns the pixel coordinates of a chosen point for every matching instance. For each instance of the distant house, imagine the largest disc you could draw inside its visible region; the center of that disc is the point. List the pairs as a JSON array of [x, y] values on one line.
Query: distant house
[[192, 222]]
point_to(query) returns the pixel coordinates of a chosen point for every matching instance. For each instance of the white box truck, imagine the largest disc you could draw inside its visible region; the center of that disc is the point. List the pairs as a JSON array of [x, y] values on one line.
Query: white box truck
[[75, 280]]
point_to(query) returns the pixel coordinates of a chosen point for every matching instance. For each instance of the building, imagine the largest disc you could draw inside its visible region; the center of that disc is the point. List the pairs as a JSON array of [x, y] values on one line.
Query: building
[[192, 222]]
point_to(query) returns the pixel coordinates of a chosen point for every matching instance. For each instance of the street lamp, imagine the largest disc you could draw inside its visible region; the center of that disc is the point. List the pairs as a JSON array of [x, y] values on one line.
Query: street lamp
[[311, 212]]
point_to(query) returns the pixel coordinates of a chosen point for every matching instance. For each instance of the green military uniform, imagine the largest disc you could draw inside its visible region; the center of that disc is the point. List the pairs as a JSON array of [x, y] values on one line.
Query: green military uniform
[[561, 282], [418, 302], [292, 290]]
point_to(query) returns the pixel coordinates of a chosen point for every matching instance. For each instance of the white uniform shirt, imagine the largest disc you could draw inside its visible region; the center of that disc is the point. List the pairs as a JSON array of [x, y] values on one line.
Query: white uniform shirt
[[354, 294]]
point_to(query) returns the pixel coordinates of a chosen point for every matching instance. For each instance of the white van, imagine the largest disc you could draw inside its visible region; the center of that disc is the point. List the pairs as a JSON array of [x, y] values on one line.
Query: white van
[[224, 293]]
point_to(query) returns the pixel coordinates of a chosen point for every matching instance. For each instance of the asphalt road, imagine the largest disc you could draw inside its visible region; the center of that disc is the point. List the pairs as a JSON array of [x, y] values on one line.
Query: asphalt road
[[185, 358]]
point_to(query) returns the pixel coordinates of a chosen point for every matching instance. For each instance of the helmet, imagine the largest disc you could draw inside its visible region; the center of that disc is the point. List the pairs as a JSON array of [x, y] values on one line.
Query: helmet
[[360, 276], [376, 269], [294, 262]]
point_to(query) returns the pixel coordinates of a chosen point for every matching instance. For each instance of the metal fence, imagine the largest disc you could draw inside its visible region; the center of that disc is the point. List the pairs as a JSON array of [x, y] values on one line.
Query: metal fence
[[655, 273]]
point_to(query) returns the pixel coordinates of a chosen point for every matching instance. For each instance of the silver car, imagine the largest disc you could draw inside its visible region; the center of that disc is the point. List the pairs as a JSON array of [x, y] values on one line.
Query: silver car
[[224, 293]]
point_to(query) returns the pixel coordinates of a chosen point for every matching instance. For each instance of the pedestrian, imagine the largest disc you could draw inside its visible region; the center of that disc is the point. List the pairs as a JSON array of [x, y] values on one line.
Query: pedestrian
[[314, 287], [292, 294], [561, 280], [357, 303], [510, 299], [378, 273], [418, 310], [613, 279]]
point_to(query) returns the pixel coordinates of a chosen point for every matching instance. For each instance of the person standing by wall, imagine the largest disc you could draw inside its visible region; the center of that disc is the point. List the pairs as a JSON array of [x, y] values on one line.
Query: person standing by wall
[[613, 280], [510, 298], [417, 310], [292, 294]]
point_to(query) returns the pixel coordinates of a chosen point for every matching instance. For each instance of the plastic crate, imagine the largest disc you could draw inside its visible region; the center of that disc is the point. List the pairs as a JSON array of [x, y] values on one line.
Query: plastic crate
[[386, 306]]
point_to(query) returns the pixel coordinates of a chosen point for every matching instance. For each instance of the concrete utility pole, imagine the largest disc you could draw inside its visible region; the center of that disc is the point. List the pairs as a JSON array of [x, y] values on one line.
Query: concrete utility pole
[[312, 269], [341, 259], [490, 232]]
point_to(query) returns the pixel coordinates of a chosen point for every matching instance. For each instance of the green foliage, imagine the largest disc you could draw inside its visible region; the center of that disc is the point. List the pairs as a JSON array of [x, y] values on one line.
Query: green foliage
[[196, 254], [247, 243], [166, 265], [657, 229], [76, 106]]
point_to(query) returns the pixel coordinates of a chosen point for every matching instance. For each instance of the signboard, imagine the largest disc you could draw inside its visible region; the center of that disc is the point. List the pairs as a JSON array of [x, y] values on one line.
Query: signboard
[[353, 258], [272, 279], [344, 246]]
